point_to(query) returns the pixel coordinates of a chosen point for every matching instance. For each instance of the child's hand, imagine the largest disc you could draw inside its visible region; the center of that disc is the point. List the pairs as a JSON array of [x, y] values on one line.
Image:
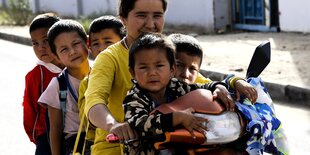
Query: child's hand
[[190, 121], [222, 93], [244, 88]]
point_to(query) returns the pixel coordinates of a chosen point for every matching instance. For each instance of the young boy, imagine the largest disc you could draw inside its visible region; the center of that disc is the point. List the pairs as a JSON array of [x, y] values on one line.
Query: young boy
[[48, 66], [103, 32], [152, 65], [189, 56], [67, 39]]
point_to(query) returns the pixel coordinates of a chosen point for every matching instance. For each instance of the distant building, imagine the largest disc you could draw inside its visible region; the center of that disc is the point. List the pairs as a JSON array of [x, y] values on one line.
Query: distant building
[[201, 16]]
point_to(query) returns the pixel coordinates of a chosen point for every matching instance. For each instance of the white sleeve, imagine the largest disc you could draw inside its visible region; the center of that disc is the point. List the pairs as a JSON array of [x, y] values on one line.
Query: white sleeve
[[50, 97]]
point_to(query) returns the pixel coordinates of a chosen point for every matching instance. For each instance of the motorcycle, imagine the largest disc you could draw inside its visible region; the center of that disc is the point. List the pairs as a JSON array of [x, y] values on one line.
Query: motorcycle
[[252, 125]]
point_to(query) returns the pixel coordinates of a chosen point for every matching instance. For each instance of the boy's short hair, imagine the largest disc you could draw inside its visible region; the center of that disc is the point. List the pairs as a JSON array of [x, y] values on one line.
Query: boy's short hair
[[125, 6], [64, 26], [187, 44], [151, 41], [45, 20], [107, 22]]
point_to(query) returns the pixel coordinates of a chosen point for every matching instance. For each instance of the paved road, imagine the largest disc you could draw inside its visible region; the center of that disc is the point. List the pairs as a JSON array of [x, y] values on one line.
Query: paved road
[[16, 60], [295, 121]]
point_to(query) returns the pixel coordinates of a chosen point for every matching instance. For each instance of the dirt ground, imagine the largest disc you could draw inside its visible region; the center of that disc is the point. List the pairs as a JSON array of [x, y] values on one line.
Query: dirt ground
[[231, 53]]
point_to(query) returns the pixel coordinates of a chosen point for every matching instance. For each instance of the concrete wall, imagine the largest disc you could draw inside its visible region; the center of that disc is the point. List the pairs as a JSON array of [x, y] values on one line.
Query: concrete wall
[[222, 15], [202, 15], [3, 3], [62, 7], [294, 15], [197, 14], [71, 7], [99, 6]]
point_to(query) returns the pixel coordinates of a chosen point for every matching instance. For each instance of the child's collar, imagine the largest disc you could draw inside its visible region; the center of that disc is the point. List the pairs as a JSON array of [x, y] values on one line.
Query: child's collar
[[51, 67]]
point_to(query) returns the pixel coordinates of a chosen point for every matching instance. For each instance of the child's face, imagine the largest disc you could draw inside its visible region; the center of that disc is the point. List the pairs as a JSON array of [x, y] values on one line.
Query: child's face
[[146, 16], [152, 70], [71, 49], [187, 67], [40, 45], [101, 40]]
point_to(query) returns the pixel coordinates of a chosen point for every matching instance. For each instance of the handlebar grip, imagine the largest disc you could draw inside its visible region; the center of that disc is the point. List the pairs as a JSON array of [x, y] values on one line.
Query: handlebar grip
[[112, 138]]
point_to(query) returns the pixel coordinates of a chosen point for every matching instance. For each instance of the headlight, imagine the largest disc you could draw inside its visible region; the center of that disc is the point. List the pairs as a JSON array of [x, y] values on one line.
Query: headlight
[[223, 128]]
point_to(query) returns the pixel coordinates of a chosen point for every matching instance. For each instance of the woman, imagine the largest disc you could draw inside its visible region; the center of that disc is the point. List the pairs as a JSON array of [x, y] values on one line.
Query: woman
[[110, 79]]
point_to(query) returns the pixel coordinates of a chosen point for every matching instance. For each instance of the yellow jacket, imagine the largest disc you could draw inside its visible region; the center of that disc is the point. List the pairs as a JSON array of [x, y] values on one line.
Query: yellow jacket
[[108, 84]]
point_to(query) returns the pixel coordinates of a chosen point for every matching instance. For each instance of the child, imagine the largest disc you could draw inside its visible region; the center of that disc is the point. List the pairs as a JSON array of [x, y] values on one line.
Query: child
[[110, 79], [103, 31], [67, 39], [48, 66], [152, 65], [189, 55]]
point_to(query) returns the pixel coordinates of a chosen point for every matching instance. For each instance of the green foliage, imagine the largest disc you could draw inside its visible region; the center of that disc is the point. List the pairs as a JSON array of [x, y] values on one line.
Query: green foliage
[[4, 16], [85, 21], [18, 12]]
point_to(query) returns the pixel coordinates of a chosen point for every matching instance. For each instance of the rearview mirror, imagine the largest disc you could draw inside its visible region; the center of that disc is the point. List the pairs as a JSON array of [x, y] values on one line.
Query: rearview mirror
[[260, 60]]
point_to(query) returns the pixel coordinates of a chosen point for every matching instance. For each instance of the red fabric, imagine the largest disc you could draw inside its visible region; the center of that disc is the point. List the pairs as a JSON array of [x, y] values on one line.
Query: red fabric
[[30, 104]]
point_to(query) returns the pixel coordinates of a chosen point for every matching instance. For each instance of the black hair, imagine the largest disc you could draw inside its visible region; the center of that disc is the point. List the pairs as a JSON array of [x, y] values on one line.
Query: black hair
[[151, 41], [45, 20], [64, 26], [125, 6], [187, 44], [107, 22]]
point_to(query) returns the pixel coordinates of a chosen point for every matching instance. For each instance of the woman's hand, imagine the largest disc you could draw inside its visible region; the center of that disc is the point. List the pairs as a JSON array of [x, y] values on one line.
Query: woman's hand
[[123, 131]]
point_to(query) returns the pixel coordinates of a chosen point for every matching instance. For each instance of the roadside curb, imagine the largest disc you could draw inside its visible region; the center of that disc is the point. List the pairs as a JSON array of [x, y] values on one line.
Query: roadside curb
[[15, 38], [287, 93], [293, 95]]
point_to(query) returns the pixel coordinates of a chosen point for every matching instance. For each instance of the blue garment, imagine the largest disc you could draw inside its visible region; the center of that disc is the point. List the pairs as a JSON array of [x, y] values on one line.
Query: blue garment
[[262, 122]]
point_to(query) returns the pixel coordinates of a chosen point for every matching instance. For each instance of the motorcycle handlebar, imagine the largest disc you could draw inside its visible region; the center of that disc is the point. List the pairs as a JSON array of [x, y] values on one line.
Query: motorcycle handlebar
[[112, 138]]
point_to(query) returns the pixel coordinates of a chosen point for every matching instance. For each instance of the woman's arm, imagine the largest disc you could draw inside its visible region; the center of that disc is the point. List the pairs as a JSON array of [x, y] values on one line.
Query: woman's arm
[[101, 83], [201, 79], [56, 130], [100, 116]]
